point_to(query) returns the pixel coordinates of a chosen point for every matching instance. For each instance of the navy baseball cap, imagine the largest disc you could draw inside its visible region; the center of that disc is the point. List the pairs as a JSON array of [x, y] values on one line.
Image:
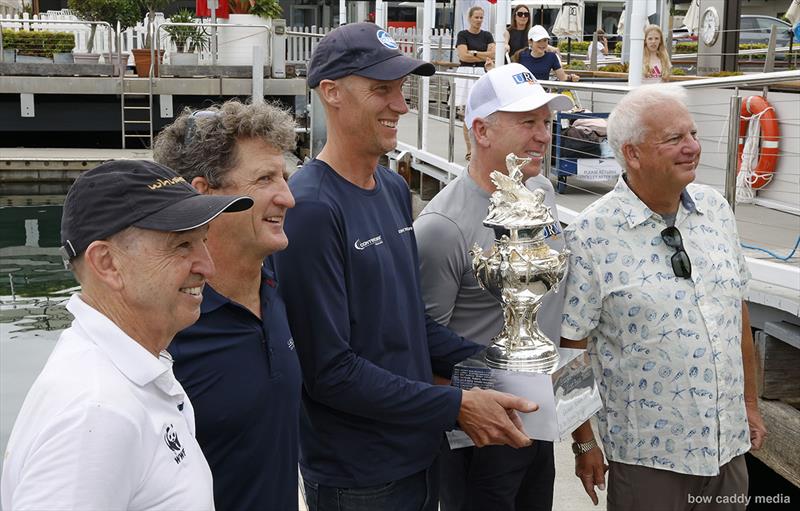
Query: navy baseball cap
[[362, 49], [123, 193]]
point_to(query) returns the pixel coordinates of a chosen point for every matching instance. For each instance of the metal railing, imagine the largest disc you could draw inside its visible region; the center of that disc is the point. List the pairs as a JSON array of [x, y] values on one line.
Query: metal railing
[[444, 169], [214, 38]]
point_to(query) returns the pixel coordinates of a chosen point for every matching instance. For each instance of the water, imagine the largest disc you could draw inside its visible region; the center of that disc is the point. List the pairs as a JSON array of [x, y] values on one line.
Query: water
[[34, 289]]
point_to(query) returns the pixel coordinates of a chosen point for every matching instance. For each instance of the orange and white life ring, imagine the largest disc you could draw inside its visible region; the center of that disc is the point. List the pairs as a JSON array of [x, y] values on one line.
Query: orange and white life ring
[[757, 106]]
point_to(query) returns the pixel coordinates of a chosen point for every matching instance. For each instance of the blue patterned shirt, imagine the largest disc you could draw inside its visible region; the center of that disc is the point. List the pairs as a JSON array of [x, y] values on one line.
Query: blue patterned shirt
[[666, 351]]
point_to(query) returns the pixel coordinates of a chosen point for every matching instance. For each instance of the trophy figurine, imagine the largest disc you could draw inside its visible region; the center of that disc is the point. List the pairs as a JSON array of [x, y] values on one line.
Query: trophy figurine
[[518, 271]]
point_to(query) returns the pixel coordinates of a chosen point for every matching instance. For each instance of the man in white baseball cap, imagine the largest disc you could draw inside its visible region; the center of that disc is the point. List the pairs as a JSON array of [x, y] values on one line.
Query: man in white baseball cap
[[508, 111]]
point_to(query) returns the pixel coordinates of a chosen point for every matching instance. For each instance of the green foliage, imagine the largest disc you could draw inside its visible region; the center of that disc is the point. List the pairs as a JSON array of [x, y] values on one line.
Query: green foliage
[[719, 74], [575, 46], [754, 46], [685, 47], [187, 39], [676, 71], [124, 12], [614, 68], [153, 5], [265, 8], [38, 43], [577, 65]]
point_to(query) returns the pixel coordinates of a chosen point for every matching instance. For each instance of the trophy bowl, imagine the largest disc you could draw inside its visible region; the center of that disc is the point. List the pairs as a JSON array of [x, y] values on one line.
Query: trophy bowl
[[518, 271]]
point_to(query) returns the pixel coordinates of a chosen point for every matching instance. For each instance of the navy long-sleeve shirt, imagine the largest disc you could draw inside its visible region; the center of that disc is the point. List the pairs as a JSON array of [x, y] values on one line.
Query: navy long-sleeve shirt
[[243, 377], [350, 280]]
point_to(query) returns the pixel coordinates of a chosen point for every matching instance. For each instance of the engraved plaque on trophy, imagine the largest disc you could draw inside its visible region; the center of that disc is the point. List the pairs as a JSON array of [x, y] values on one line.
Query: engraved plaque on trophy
[[518, 271]]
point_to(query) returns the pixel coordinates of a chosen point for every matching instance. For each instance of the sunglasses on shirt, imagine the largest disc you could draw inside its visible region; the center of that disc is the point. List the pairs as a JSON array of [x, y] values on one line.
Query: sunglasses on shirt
[[681, 264], [191, 124]]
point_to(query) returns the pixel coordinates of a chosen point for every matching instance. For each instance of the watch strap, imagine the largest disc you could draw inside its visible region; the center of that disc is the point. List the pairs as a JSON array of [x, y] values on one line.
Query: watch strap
[[579, 448]]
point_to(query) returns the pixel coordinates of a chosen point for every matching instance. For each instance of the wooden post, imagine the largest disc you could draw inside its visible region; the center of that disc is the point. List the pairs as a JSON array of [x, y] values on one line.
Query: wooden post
[[780, 363]]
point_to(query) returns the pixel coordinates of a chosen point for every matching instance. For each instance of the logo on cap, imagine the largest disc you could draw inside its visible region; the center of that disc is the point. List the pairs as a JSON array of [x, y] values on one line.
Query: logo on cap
[[525, 77], [386, 40], [160, 183]]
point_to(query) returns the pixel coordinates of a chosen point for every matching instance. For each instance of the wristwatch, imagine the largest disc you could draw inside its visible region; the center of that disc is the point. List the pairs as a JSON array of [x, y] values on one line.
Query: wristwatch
[[579, 448], [474, 53]]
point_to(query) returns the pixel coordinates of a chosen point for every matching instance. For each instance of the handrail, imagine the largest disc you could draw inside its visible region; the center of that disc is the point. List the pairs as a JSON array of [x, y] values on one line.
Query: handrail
[[56, 22], [304, 34], [735, 82], [742, 80], [268, 50]]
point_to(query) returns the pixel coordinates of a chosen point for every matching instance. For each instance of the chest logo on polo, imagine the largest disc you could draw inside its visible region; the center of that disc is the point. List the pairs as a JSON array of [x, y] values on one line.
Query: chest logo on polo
[[171, 439], [361, 245]]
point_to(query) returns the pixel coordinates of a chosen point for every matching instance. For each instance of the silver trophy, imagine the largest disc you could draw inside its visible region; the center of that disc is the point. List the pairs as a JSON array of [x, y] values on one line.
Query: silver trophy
[[520, 269]]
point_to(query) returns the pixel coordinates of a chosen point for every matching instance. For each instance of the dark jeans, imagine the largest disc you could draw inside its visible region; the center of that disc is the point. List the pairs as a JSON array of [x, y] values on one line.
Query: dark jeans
[[413, 493], [497, 478]]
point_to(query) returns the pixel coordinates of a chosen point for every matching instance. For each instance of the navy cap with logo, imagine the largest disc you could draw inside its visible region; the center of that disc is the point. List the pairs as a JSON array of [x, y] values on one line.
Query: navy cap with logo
[[123, 193], [362, 49]]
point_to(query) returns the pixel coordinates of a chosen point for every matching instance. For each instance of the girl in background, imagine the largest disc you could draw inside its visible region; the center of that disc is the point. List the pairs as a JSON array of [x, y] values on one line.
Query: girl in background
[[541, 62], [656, 61]]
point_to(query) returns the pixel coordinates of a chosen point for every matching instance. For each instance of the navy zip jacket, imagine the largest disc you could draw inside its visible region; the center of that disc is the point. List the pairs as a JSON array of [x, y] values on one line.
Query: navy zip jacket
[[243, 378], [350, 280]]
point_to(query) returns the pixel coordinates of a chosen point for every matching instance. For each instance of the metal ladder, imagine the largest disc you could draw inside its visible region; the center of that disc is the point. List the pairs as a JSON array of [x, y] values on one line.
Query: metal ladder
[[136, 109]]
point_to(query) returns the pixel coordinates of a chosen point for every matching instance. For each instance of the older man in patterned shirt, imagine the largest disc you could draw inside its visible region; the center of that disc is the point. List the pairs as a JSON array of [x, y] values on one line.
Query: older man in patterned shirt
[[655, 292]]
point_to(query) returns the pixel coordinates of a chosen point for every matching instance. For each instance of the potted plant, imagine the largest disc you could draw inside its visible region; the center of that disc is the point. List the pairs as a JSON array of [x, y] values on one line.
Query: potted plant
[[124, 12], [142, 55], [62, 49], [236, 43], [188, 40], [36, 46]]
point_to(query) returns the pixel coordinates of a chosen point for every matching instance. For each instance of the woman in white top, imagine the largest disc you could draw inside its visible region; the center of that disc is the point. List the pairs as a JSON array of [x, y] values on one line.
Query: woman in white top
[[601, 46], [656, 61]]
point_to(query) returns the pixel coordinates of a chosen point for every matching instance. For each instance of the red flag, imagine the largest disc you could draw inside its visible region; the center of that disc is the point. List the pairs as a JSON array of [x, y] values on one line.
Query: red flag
[[203, 11]]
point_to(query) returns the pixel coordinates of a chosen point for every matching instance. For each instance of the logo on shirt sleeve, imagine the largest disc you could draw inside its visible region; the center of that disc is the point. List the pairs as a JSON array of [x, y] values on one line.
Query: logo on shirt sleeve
[[171, 439]]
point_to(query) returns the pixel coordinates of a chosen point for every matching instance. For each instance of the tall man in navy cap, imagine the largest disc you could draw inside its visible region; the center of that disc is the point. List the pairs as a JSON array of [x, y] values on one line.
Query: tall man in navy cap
[[371, 421], [106, 425]]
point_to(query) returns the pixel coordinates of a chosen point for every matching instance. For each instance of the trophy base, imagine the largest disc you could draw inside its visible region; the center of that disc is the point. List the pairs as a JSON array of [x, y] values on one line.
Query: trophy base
[[535, 359], [566, 397]]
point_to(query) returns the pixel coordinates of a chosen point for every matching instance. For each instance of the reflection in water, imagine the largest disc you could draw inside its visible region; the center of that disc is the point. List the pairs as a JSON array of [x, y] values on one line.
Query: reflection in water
[[39, 313], [34, 285]]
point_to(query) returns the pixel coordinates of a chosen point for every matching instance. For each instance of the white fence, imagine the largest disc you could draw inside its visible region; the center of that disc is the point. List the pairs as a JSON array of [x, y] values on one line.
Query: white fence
[[298, 47]]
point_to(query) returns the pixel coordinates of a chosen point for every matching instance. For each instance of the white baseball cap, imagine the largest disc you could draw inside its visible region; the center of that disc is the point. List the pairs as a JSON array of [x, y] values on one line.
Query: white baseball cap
[[537, 33], [510, 88]]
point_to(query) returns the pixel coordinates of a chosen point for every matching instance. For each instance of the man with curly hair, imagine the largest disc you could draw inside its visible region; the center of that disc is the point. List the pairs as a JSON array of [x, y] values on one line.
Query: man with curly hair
[[238, 362]]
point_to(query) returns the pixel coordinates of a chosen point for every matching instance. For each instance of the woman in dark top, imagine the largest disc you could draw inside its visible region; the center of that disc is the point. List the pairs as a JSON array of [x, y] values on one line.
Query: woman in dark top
[[475, 49], [516, 35], [539, 61]]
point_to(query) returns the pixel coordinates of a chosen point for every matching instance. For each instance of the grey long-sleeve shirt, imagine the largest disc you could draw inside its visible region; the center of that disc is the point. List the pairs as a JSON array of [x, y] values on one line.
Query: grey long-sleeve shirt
[[446, 230]]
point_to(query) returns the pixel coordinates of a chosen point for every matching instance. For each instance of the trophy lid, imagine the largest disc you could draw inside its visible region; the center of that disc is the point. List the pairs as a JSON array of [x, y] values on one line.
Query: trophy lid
[[512, 206]]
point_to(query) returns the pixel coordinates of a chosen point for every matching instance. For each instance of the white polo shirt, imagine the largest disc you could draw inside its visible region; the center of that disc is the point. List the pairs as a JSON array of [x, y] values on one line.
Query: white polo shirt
[[105, 426]]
